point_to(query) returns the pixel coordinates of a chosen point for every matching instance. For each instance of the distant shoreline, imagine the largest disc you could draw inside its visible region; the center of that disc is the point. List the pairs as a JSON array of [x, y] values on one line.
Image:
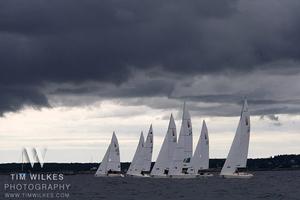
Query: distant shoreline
[[275, 163]]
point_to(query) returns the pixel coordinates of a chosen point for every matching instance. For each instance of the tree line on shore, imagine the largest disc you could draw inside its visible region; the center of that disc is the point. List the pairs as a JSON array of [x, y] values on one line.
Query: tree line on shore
[[280, 162]]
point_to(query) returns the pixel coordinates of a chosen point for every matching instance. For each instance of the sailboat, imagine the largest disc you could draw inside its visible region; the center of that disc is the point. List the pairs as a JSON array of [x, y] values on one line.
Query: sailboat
[[138, 158], [200, 159], [141, 163], [237, 156], [165, 156], [183, 151], [147, 153], [110, 165]]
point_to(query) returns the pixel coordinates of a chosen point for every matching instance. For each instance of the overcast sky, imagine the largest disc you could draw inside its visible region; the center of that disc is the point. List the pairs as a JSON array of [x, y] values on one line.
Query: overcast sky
[[74, 71]]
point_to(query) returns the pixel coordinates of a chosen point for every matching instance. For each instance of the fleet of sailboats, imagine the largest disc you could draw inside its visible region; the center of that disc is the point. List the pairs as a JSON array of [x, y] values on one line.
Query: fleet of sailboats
[[176, 158]]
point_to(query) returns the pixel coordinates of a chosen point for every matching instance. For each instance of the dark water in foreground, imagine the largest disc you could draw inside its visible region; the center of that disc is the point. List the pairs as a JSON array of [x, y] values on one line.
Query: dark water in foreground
[[264, 185]]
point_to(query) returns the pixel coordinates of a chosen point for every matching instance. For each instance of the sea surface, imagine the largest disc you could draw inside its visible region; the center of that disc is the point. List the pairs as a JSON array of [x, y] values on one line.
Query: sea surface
[[272, 185]]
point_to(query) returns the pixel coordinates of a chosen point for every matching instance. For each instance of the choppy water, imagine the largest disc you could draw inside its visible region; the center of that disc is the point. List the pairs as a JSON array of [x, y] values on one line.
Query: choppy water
[[275, 185]]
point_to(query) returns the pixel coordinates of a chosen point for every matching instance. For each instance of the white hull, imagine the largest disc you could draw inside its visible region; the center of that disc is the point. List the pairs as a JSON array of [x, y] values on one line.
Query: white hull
[[138, 175], [204, 175], [237, 175]]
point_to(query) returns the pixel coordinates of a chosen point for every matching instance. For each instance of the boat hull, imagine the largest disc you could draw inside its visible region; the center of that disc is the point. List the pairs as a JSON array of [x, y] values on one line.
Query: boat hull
[[189, 176], [109, 175], [183, 176], [137, 175], [204, 175], [237, 176]]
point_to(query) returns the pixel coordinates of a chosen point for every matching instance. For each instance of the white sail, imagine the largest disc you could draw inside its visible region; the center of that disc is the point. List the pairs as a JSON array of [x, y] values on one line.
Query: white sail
[[186, 137], [237, 157], [200, 159], [147, 151], [136, 165], [111, 160], [177, 164], [102, 170], [184, 148], [165, 156]]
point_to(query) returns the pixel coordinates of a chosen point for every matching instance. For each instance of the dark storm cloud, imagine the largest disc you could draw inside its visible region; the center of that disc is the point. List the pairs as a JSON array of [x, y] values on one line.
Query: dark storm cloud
[[107, 41], [13, 99]]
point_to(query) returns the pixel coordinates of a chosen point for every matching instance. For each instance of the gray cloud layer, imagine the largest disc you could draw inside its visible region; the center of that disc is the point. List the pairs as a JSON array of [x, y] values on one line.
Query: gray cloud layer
[[131, 48]]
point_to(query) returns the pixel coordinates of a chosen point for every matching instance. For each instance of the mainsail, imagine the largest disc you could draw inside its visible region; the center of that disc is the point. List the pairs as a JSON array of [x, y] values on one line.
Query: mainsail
[[200, 160], [183, 151], [176, 163], [136, 165], [165, 156], [185, 139], [111, 160], [147, 151], [237, 157]]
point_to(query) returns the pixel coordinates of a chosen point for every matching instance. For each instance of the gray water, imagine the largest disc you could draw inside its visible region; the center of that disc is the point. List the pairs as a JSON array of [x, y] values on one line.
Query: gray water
[[264, 185]]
